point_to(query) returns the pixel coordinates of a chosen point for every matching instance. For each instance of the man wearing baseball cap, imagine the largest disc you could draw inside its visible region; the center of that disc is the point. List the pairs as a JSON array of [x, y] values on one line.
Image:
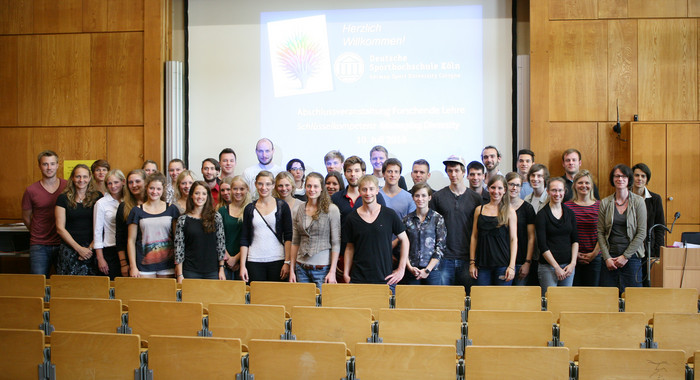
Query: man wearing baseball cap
[[456, 203]]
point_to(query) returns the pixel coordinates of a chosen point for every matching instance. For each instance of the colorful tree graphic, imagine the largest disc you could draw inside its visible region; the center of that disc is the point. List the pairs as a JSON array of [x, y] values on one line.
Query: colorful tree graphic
[[299, 57]]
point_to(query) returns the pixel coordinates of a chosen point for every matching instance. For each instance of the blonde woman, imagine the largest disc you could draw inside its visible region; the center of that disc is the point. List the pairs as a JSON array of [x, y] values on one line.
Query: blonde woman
[[182, 189], [232, 215], [585, 208], [135, 185], [494, 241], [105, 228], [284, 190]]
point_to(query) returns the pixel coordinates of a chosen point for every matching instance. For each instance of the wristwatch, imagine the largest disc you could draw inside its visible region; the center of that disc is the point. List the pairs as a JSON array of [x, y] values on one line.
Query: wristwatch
[[427, 271]]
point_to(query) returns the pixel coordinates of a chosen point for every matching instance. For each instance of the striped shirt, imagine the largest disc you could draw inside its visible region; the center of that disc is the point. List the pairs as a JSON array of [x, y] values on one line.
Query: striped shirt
[[587, 224]]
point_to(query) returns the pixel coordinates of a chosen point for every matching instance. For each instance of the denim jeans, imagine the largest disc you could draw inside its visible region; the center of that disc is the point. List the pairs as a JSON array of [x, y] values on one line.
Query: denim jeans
[[230, 273], [42, 257], [492, 276], [434, 278], [317, 276], [548, 277], [588, 274], [455, 272], [199, 275], [521, 282], [629, 275]]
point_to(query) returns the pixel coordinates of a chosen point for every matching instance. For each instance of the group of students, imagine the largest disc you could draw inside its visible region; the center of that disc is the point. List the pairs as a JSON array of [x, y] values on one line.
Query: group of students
[[313, 228]]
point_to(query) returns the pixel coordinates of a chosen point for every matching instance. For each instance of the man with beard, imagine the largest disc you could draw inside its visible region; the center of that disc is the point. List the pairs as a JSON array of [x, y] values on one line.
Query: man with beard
[[265, 152]]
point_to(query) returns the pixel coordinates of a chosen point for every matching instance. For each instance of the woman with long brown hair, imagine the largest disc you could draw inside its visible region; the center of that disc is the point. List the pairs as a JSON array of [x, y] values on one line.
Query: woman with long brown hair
[[74, 224], [199, 238]]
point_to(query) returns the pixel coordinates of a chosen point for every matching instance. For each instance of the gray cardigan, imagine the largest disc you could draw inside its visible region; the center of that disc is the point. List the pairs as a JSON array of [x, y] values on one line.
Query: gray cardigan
[[322, 234], [636, 225]]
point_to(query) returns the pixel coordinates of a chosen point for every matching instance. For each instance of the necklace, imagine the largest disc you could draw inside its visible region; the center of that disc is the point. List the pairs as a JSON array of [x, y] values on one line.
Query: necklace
[[623, 202]]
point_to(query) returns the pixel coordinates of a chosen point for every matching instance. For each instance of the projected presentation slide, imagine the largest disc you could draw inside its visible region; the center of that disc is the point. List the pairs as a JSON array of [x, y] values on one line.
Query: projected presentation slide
[[410, 79]]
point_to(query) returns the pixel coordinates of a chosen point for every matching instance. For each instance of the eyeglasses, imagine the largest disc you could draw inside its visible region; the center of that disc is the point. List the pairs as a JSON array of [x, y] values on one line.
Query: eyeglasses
[[296, 169], [514, 185], [616, 176]]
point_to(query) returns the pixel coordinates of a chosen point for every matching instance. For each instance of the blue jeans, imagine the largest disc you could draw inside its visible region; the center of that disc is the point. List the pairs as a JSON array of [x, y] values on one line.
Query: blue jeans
[[42, 257], [548, 277], [589, 274], [230, 273], [629, 275], [521, 282], [492, 276], [434, 278], [317, 276], [455, 272]]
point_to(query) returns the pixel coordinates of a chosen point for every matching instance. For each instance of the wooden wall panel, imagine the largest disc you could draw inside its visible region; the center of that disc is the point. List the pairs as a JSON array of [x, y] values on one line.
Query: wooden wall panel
[[72, 143], [29, 79], [125, 147], [657, 8], [8, 81], [16, 16], [125, 15], [156, 15], [582, 136], [622, 69], [17, 146], [611, 151], [116, 79], [573, 9], [612, 8], [63, 16], [693, 8], [94, 16], [668, 70], [578, 71], [539, 75], [65, 68], [649, 146], [683, 176]]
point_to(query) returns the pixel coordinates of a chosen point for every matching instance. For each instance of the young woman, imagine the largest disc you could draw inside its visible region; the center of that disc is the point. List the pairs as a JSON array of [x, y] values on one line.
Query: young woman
[[654, 204], [427, 233], [74, 209], [99, 171], [494, 241], [316, 236], [622, 224], [526, 229], [105, 227], [232, 216], [334, 183], [297, 169], [224, 193], [150, 167], [175, 167], [284, 190], [585, 208], [150, 244], [182, 189], [266, 238], [557, 238], [199, 238], [135, 182]]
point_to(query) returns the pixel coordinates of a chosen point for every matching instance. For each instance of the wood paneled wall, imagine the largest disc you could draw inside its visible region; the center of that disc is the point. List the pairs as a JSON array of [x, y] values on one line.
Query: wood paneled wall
[[588, 56], [83, 78]]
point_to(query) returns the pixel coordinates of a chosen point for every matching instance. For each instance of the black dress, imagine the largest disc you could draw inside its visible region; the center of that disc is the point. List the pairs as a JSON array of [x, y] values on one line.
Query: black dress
[[492, 244], [79, 226]]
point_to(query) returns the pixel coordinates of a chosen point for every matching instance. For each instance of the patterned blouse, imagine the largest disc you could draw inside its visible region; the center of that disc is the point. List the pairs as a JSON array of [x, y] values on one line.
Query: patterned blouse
[[427, 239]]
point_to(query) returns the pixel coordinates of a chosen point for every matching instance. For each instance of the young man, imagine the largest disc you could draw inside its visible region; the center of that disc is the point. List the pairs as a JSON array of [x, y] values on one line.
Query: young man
[[265, 151], [38, 214], [377, 155], [210, 173], [475, 176], [456, 204], [538, 177], [526, 158], [349, 199], [395, 197], [491, 157], [369, 230], [420, 172], [334, 161], [175, 167], [227, 161], [571, 161]]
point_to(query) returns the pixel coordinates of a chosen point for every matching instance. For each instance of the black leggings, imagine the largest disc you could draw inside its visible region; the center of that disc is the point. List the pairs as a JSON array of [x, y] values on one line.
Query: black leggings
[[112, 258], [264, 271]]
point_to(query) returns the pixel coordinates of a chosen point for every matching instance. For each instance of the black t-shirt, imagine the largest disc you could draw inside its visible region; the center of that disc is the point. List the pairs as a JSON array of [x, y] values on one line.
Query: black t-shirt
[[556, 235], [458, 211], [371, 262], [78, 221], [526, 216]]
